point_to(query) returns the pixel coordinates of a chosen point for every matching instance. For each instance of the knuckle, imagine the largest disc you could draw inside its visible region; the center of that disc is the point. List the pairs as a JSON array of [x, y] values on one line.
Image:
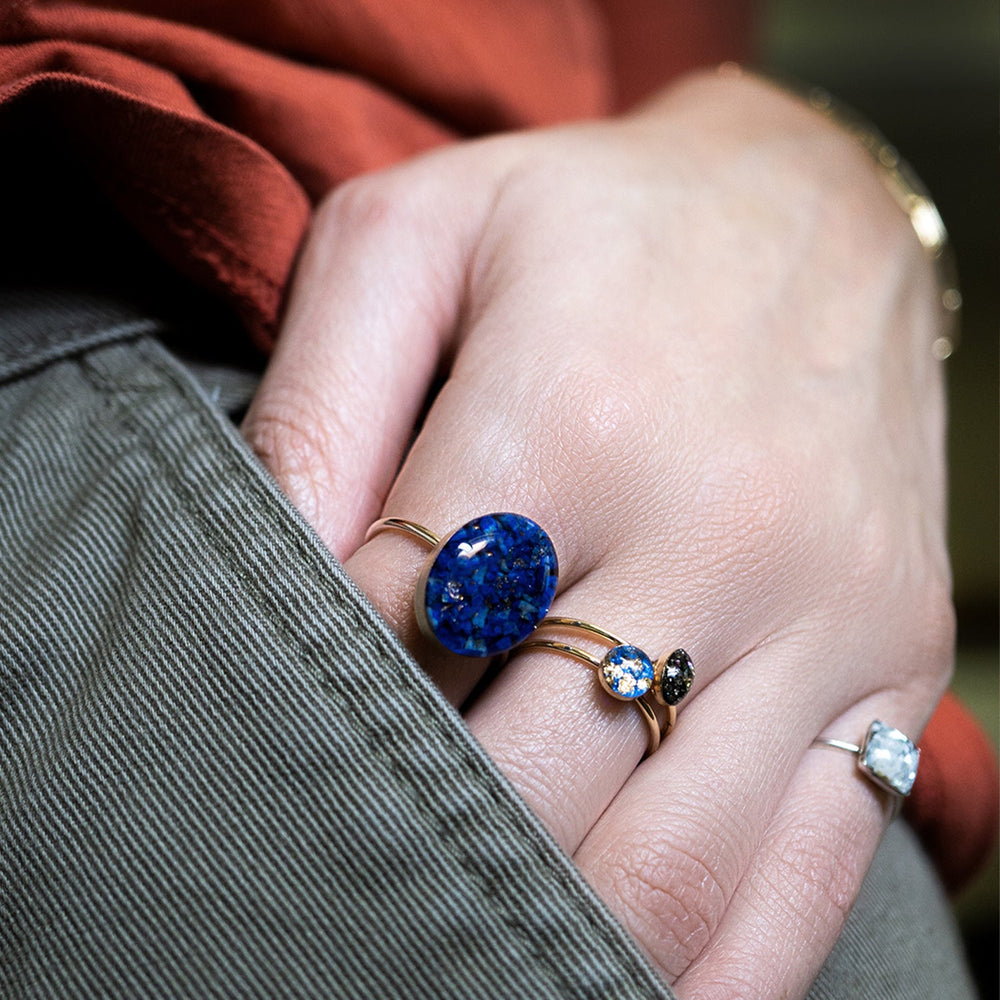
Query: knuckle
[[932, 633], [814, 877], [909, 591], [604, 439], [874, 550], [753, 509], [937, 612], [600, 413], [366, 202], [672, 898], [393, 226], [295, 449], [575, 436]]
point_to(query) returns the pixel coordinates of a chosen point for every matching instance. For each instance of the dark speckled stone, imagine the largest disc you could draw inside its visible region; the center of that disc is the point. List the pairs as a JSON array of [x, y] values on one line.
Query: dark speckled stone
[[490, 585], [677, 677]]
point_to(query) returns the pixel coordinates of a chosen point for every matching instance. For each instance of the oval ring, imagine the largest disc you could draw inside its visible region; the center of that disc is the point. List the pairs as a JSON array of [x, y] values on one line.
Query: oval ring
[[485, 586]]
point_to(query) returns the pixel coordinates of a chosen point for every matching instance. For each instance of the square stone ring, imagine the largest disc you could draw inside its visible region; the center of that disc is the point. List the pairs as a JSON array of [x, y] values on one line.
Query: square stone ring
[[886, 757]]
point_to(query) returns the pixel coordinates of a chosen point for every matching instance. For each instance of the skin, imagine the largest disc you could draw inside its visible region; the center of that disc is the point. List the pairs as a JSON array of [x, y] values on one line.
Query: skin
[[694, 344]]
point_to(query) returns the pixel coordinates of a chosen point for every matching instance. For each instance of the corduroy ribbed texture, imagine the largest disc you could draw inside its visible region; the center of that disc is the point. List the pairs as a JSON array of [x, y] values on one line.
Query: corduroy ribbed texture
[[221, 775], [900, 941]]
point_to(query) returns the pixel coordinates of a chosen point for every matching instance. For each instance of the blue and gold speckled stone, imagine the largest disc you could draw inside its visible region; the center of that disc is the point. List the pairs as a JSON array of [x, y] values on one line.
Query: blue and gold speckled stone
[[626, 672], [487, 585]]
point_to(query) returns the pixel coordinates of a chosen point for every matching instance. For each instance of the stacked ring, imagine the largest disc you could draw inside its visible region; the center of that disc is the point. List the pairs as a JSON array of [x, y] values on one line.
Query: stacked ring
[[486, 586], [886, 757], [627, 674]]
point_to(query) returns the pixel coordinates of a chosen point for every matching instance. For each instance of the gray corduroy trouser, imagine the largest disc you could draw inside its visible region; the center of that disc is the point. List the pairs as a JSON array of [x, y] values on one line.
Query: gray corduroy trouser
[[221, 775]]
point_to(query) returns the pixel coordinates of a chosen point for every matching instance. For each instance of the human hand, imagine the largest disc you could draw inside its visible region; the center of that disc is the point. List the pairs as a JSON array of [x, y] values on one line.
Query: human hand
[[694, 344]]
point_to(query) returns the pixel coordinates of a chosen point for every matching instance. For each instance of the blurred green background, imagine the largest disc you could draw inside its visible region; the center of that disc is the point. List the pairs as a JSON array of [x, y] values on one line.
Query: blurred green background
[[927, 74]]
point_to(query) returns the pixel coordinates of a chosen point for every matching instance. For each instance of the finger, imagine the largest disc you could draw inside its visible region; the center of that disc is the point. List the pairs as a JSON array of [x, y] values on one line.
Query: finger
[[726, 806], [566, 744], [372, 311], [464, 463], [564, 741], [791, 905]]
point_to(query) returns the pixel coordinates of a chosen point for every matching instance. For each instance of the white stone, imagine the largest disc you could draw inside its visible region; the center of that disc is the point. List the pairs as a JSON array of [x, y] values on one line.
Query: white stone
[[890, 757]]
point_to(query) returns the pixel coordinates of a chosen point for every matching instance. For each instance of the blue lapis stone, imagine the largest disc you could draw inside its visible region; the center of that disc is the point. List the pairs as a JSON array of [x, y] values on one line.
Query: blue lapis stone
[[626, 672], [488, 585]]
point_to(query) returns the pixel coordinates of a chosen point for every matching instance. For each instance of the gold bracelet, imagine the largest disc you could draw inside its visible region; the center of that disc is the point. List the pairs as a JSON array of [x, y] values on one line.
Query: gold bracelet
[[906, 189]]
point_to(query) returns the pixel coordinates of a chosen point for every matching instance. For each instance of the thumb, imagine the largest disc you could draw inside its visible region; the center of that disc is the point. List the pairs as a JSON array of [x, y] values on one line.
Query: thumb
[[373, 310]]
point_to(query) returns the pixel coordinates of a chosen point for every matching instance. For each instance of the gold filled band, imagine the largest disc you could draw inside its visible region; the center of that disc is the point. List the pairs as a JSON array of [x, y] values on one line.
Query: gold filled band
[[401, 524], [626, 673]]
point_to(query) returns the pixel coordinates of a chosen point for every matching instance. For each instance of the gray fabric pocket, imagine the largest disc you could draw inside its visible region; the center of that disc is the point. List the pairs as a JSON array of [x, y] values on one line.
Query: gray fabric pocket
[[222, 775]]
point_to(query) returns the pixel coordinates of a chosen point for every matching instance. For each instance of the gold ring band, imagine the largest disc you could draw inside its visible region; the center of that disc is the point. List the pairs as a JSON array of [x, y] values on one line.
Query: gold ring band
[[401, 524], [626, 673]]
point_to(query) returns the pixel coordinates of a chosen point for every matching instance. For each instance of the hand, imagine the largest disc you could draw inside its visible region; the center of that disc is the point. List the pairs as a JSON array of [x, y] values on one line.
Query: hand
[[694, 344]]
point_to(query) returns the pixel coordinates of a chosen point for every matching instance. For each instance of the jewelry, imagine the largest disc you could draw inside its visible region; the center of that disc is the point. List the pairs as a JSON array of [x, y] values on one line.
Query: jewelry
[[626, 673], [906, 189], [886, 757], [910, 194], [484, 587]]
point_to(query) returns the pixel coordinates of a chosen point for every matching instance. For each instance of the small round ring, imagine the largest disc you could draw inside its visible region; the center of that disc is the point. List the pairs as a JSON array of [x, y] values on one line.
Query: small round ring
[[886, 757], [626, 673], [485, 586]]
